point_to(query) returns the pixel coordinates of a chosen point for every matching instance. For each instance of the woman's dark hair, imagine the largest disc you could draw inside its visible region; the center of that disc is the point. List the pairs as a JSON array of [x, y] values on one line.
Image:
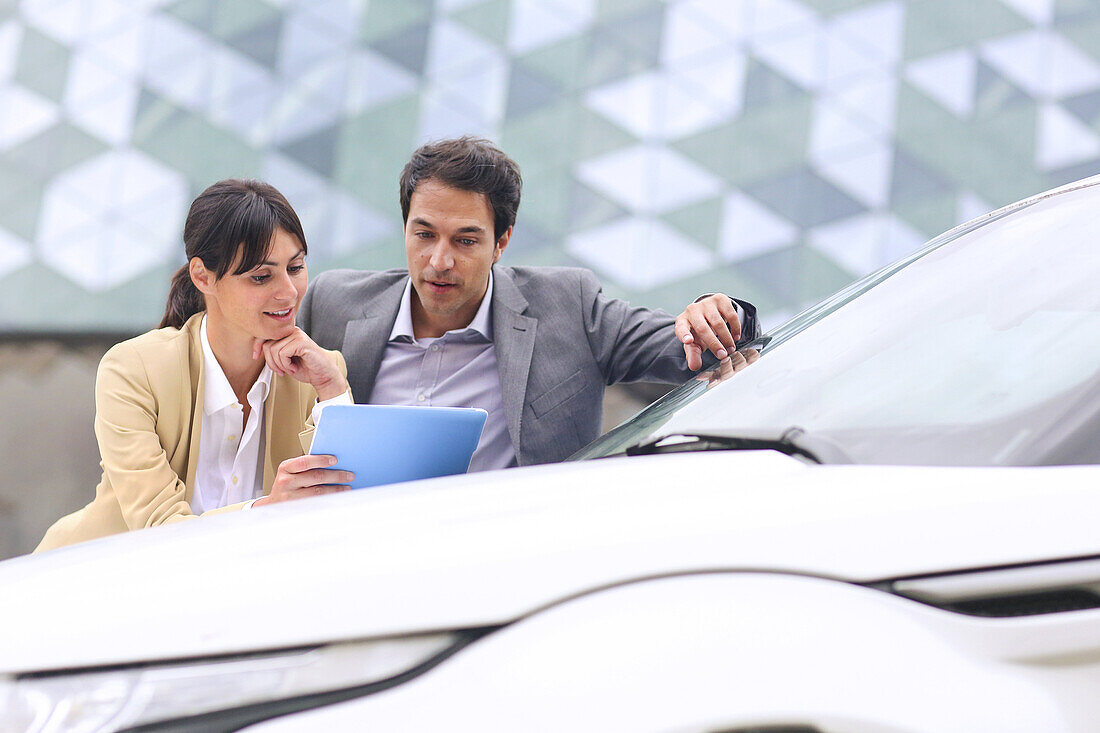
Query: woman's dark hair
[[470, 164], [229, 216]]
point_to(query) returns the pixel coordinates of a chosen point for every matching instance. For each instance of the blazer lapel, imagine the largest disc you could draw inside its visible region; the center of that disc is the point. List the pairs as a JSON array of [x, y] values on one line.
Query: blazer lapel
[[514, 343], [271, 406], [365, 340], [195, 369]]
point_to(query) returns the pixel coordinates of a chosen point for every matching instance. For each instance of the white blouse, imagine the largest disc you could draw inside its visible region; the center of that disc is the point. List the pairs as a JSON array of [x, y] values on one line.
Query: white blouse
[[231, 449]]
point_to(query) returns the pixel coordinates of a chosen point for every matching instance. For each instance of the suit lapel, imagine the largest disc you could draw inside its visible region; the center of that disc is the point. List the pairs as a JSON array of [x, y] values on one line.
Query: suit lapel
[[514, 343], [365, 340]]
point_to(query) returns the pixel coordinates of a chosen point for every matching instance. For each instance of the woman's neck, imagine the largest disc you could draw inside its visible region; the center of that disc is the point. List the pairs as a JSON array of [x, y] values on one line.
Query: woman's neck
[[234, 353]]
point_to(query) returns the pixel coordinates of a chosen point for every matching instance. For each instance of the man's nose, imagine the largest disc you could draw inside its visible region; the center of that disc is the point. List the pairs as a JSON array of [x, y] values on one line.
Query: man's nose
[[441, 259]]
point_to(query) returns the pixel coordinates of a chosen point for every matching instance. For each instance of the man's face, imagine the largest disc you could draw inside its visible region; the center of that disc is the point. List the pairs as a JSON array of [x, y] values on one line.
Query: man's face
[[450, 246]]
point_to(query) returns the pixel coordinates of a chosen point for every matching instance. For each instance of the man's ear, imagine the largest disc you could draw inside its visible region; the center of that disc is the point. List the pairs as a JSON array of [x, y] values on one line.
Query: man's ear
[[203, 278], [501, 244]]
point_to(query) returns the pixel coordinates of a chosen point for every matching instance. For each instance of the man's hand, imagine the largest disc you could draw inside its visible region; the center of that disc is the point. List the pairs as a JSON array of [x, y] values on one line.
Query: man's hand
[[298, 356], [708, 325], [304, 476]]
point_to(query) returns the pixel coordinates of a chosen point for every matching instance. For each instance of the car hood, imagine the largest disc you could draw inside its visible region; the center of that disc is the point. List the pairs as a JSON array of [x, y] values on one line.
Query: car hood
[[484, 549]]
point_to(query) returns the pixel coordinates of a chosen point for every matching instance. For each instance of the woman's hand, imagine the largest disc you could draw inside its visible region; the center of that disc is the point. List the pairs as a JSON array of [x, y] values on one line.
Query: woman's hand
[[298, 356], [305, 476]]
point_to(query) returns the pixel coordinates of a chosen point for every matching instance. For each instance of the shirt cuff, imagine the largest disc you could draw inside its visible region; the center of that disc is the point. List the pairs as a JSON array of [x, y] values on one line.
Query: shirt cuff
[[340, 399]]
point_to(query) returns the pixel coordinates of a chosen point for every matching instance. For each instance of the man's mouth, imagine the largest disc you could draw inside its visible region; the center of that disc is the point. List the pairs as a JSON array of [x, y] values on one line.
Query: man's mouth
[[440, 286]]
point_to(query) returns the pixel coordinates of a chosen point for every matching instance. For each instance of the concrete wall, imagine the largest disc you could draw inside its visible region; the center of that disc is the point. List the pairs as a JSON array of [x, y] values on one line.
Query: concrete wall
[[49, 461]]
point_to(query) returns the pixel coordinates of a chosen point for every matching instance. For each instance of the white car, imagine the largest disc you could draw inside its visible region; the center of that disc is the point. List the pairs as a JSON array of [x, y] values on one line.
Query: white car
[[880, 517]]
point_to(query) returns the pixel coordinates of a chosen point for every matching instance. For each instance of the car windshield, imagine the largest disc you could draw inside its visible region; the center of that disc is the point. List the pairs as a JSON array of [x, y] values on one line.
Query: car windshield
[[981, 349]]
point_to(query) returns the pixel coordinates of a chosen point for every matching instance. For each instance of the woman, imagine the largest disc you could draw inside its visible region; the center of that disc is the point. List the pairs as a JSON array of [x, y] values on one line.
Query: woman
[[213, 411]]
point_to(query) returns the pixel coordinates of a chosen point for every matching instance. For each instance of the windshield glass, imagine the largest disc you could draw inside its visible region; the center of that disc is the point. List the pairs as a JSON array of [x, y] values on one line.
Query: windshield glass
[[982, 349]]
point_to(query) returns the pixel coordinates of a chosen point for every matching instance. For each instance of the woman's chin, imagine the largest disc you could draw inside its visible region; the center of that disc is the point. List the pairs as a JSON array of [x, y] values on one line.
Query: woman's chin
[[273, 331]]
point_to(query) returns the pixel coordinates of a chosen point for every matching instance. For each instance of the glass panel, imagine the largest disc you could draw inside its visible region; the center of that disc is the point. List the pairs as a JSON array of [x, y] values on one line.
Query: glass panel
[[975, 352]]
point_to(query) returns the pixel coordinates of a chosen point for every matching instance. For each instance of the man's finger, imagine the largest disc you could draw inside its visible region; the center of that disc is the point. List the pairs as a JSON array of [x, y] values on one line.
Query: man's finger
[[683, 329], [705, 336], [694, 356], [729, 314], [720, 329]]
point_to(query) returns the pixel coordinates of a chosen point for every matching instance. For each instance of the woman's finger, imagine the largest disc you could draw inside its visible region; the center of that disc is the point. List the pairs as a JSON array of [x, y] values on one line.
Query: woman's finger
[[257, 347], [328, 489], [306, 463], [323, 476], [276, 354]]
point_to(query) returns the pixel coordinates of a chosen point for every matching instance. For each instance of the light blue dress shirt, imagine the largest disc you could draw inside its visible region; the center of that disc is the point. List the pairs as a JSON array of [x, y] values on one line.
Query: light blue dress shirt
[[458, 369]]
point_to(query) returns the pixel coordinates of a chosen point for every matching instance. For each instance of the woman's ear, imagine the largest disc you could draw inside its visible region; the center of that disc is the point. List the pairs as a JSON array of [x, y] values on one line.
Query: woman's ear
[[203, 278]]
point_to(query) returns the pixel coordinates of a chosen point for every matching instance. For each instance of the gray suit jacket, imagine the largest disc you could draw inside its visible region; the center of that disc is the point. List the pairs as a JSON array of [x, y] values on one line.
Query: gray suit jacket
[[558, 342]]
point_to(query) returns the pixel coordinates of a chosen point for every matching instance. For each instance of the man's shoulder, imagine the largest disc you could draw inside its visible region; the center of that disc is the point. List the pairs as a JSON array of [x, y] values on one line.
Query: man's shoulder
[[346, 280], [537, 277]]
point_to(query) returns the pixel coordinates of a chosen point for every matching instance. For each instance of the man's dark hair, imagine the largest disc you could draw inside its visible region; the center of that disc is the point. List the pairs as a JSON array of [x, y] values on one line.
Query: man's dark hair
[[471, 164]]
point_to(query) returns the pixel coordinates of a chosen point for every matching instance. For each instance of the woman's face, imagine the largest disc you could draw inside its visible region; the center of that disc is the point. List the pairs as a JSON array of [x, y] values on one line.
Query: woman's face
[[263, 302]]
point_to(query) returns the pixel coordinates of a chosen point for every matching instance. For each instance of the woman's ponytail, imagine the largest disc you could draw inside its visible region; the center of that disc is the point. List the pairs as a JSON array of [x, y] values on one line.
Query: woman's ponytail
[[184, 300]]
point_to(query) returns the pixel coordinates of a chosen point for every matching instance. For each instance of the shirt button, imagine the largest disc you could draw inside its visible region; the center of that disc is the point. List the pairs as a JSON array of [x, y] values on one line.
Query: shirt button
[[232, 438], [420, 398], [234, 480], [435, 347]]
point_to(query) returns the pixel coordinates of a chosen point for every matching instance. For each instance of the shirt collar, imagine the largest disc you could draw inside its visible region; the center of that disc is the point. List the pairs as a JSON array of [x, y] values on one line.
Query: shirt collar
[[482, 322], [217, 392]]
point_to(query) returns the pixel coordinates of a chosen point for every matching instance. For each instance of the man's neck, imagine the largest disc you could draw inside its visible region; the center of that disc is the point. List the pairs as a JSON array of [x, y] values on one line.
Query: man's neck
[[428, 325]]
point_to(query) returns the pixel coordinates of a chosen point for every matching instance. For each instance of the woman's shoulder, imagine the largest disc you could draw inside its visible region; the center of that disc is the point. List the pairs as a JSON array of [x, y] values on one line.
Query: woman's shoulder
[[158, 349]]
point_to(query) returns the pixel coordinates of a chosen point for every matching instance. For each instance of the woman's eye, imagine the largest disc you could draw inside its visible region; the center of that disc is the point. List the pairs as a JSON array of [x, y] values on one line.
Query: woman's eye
[[260, 278], [295, 269]]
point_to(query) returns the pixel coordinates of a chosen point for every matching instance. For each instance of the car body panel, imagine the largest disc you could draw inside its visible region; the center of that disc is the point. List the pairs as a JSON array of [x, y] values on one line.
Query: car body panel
[[739, 650], [488, 548]]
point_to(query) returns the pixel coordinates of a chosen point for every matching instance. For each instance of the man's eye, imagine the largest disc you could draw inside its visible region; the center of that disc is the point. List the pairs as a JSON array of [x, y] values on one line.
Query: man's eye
[[468, 242], [424, 235]]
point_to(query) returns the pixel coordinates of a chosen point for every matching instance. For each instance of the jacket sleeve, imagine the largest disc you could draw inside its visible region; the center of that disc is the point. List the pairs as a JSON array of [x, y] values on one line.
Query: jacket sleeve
[[306, 436], [633, 344], [135, 463]]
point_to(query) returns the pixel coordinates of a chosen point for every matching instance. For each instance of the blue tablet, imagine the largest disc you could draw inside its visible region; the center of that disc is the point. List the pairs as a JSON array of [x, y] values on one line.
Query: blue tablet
[[385, 444]]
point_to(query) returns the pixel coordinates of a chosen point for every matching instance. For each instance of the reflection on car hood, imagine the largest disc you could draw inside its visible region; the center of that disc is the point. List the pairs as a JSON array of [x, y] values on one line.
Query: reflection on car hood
[[487, 548]]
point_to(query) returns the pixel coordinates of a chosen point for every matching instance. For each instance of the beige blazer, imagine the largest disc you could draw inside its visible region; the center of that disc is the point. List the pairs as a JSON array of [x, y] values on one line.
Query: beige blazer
[[149, 400]]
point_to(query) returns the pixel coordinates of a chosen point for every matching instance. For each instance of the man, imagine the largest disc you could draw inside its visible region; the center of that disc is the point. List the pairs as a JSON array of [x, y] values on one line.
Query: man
[[533, 346]]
